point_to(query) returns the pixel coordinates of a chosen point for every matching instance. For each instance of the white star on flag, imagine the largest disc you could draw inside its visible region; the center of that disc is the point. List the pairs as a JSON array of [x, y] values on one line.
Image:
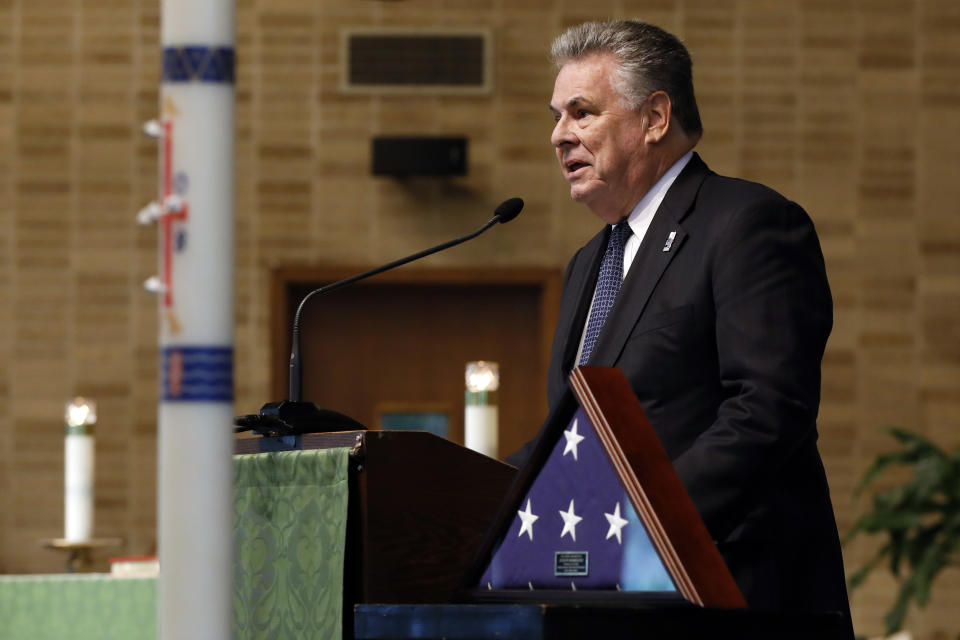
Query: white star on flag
[[616, 524], [527, 519], [570, 521], [573, 439]]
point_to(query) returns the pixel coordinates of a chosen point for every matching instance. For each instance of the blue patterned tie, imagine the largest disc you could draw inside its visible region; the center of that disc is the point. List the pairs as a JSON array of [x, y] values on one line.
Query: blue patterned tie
[[608, 285]]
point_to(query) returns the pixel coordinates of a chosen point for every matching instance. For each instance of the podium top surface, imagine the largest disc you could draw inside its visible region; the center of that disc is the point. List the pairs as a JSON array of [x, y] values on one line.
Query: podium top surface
[[422, 442], [264, 444]]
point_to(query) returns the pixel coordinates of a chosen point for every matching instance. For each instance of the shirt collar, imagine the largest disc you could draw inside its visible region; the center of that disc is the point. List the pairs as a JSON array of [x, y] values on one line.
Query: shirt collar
[[642, 214]]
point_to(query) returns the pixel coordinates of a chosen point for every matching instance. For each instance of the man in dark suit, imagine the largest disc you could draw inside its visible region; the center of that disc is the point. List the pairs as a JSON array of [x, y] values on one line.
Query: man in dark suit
[[710, 294]]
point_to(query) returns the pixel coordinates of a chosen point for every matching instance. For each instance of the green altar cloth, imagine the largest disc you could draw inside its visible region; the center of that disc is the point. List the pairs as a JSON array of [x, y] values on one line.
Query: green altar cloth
[[92, 606], [290, 516]]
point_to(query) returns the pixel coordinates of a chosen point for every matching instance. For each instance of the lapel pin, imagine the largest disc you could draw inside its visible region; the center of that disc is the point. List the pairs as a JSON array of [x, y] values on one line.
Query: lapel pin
[[669, 242]]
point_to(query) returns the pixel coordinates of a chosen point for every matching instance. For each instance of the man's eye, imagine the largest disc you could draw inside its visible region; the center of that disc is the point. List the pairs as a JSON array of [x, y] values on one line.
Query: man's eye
[[582, 113]]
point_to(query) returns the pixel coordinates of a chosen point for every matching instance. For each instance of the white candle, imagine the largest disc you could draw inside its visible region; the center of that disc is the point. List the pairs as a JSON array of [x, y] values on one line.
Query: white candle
[[480, 429], [78, 470], [480, 419], [196, 319]]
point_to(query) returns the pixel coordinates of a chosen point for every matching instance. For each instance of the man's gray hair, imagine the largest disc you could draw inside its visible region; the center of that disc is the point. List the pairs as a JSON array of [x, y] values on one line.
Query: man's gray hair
[[650, 60]]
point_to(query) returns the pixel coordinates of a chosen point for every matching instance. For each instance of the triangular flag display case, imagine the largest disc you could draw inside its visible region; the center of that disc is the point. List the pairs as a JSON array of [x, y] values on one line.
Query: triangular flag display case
[[598, 513]]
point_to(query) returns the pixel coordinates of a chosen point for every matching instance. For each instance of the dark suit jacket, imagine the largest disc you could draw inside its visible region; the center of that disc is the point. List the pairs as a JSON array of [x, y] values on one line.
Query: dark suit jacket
[[721, 338]]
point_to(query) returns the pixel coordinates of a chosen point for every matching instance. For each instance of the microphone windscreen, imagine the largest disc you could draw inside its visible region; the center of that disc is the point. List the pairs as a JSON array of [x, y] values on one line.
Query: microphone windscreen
[[508, 209]]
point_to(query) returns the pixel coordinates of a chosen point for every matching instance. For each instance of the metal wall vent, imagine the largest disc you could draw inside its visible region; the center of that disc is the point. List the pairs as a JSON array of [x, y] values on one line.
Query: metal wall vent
[[416, 61]]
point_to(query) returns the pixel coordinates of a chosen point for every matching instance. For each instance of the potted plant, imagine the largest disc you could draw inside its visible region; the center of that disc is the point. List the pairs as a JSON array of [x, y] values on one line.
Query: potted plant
[[920, 519]]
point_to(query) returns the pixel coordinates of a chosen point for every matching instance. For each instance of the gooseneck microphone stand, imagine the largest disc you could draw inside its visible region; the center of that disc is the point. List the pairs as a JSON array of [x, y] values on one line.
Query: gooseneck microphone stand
[[294, 416]]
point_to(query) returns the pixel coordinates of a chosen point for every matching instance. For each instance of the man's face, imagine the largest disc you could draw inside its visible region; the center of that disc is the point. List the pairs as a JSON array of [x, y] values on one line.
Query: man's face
[[599, 142]]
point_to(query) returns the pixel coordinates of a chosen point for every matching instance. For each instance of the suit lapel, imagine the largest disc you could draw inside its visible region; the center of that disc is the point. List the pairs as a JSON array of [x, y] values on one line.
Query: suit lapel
[[662, 242]]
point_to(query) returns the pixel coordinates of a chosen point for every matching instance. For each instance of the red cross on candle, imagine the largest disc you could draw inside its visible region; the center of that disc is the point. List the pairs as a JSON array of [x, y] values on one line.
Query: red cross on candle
[[174, 209]]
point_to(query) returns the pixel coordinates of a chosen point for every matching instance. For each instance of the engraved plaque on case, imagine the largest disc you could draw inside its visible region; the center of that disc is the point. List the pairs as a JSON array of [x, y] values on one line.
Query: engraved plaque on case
[[570, 563]]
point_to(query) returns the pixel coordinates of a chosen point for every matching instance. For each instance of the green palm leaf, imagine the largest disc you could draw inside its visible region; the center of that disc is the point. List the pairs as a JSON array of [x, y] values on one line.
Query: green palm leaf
[[920, 518]]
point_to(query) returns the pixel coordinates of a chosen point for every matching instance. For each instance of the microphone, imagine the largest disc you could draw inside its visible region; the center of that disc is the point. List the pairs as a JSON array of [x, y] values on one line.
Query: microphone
[[292, 417], [507, 211]]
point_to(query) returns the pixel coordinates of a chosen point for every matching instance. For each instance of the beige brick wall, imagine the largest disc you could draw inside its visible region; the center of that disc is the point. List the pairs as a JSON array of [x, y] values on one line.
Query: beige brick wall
[[850, 108]]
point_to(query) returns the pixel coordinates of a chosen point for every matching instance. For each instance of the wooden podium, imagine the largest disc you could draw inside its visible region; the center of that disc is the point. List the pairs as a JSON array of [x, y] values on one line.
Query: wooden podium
[[418, 509]]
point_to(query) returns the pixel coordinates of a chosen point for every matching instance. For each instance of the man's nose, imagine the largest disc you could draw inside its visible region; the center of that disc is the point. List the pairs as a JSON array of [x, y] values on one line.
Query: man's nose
[[561, 133]]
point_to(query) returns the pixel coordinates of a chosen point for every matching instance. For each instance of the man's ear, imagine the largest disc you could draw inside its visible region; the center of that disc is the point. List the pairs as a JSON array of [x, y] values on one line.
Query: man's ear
[[659, 111]]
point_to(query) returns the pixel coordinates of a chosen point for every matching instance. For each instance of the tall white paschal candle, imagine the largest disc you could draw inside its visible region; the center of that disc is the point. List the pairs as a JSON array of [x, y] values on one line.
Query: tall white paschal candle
[[78, 457], [480, 420], [196, 319]]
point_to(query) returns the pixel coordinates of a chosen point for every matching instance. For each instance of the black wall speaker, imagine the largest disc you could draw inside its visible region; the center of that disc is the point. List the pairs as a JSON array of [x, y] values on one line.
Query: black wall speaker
[[401, 156]]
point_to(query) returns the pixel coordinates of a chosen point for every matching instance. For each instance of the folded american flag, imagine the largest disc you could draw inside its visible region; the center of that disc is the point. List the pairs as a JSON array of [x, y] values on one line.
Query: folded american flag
[[576, 528]]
